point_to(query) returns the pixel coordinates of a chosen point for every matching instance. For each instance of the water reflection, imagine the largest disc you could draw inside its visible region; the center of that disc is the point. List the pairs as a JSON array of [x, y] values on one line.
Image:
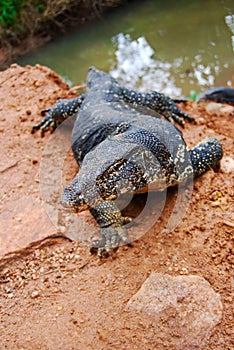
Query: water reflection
[[187, 43], [230, 23], [136, 66]]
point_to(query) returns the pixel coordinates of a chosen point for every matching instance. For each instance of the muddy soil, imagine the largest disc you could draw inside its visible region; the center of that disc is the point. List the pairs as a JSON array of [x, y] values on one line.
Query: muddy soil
[[54, 294]]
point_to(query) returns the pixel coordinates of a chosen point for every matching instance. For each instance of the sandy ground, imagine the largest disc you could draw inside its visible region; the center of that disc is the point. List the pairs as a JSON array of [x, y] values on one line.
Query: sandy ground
[[55, 295]]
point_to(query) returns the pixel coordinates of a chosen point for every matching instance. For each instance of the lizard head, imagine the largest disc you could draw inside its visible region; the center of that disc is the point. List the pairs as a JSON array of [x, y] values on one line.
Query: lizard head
[[94, 76], [73, 197], [97, 78]]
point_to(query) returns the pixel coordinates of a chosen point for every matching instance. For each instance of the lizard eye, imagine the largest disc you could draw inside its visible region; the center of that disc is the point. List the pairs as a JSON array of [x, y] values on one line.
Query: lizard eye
[[79, 199]]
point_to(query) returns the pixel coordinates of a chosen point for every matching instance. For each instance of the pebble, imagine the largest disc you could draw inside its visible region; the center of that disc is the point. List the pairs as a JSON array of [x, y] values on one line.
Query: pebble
[[28, 111], [227, 165], [35, 294]]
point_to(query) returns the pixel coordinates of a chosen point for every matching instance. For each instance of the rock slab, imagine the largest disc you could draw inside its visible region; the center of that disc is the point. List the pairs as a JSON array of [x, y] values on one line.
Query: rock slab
[[183, 305]]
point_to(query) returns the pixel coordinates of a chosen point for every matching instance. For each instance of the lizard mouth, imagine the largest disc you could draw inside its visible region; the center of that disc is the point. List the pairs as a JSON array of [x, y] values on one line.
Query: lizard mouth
[[73, 200]]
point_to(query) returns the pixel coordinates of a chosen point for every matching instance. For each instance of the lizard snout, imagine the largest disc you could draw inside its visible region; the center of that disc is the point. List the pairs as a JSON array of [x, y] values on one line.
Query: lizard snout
[[72, 197]]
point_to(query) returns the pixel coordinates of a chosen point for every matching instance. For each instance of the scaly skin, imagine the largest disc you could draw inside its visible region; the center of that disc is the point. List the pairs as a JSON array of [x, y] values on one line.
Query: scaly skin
[[63, 109], [123, 141]]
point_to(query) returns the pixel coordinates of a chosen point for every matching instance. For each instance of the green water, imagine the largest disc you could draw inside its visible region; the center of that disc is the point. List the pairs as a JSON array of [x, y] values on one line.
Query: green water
[[191, 41]]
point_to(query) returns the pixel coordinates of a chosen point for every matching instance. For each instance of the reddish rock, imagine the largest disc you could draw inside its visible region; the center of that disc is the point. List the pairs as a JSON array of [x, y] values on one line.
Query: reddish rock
[[188, 303]]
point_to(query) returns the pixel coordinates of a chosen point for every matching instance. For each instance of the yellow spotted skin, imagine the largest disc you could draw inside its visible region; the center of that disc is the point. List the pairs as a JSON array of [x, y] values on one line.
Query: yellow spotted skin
[[124, 141], [58, 113]]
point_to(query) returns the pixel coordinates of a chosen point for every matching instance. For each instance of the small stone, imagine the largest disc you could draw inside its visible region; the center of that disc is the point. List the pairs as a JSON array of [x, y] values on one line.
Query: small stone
[[213, 107], [23, 118], [216, 195], [38, 83], [28, 111], [10, 295], [227, 165], [35, 294], [215, 204]]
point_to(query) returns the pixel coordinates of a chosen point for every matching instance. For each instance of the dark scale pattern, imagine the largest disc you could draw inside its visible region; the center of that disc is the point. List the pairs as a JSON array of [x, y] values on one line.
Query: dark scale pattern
[[122, 174], [98, 134], [107, 213], [160, 103], [120, 146], [205, 155], [152, 143], [62, 109]]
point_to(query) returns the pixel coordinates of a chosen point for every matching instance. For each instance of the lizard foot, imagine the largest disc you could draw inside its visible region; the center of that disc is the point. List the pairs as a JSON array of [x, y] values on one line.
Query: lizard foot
[[55, 115], [174, 114], [109, 241]]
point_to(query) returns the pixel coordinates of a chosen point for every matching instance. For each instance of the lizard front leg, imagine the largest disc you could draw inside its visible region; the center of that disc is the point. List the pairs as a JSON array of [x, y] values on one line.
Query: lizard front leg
[[110, 219], [158, 102], [55, 115]]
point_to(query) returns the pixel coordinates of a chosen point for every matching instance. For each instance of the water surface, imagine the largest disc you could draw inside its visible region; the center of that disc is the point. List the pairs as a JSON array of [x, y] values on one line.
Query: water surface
[[171, 46]]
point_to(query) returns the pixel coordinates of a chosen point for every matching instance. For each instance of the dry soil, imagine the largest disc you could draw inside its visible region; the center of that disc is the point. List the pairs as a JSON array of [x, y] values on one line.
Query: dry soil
[[54, 294]]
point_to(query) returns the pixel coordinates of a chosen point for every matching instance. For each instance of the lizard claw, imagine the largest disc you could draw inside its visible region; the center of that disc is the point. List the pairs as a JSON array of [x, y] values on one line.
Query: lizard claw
[[60, 111], [45, 124], [174, 114], [109, 241]]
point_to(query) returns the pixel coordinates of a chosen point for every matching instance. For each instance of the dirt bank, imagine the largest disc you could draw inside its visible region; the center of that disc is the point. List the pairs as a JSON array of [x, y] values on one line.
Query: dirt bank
[[55, 295]]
